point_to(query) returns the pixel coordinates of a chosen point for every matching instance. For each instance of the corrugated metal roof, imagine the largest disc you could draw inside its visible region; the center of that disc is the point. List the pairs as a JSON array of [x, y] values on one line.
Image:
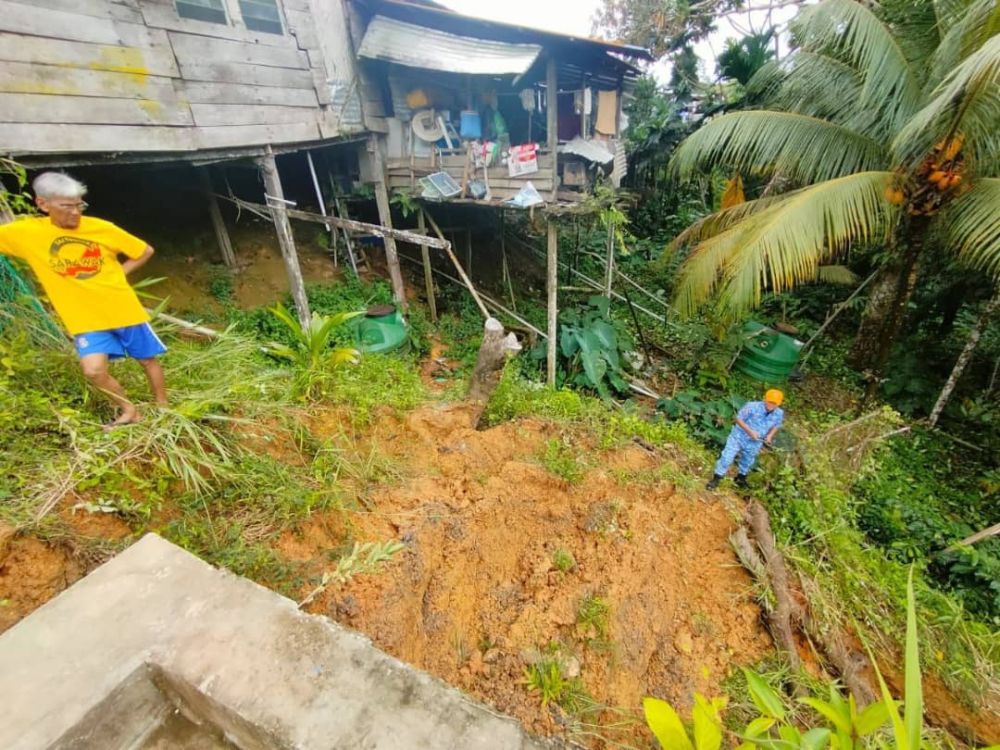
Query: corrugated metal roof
[[594, 151], [422, 47], [426, 7]]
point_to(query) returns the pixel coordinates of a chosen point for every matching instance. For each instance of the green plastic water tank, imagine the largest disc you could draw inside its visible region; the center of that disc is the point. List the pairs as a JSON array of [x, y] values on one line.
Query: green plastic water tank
[[768, 355], [381, 329]]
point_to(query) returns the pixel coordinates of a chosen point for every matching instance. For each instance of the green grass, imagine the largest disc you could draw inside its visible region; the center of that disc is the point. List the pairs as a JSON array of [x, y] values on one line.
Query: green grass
[[545, 677], [200, 471], [563, 460], [563, 560], [592, 620]]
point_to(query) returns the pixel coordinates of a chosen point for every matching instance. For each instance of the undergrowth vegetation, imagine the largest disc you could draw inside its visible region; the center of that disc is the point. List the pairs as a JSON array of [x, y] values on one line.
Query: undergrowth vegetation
[[223, 471]]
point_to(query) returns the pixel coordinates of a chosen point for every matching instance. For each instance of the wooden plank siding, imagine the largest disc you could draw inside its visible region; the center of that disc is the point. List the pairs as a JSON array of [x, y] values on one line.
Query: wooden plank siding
[[81, 76], [502, 186]]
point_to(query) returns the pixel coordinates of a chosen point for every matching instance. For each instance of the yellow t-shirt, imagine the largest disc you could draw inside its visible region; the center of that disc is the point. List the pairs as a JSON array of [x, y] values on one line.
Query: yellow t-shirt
[[79, 270]]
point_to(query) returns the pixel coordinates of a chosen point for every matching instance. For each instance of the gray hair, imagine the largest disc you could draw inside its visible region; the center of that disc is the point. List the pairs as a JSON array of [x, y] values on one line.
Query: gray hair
[[58, 185]]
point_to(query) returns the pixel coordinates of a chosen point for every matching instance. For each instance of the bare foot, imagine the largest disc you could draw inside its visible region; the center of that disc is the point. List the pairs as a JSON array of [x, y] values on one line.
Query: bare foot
[[127, 417]]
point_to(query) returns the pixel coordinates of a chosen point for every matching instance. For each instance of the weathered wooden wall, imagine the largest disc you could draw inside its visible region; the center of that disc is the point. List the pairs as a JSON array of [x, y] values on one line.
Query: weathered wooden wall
[[132, 76]]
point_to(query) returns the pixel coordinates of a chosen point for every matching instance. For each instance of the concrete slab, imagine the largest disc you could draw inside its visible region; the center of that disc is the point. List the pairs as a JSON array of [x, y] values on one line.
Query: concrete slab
[[157, 641]]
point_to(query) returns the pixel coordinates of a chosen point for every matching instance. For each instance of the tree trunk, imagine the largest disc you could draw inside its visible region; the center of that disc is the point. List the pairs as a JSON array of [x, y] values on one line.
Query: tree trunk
[[494, 351], [913, 233], [865, 348], [963, 359]]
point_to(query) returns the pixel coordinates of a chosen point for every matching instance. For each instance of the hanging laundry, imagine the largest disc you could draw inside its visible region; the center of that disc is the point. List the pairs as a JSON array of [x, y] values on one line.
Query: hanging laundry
[[607, 113]]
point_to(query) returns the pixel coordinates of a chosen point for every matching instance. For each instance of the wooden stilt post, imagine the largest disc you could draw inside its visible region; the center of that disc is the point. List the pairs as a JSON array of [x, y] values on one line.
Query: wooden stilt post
[[221, 233], [552, 119], [505, 268], [468, 252], [425, 254], [385, 219], [552, 286], [609, 269], [275, 198]]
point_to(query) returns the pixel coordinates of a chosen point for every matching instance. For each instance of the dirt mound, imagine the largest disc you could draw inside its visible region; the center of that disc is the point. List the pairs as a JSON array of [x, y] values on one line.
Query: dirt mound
[[32, 571], [477, 593]]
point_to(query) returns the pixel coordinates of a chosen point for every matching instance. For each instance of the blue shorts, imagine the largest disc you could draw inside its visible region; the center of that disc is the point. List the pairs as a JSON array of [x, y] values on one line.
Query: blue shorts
[[138, 341]]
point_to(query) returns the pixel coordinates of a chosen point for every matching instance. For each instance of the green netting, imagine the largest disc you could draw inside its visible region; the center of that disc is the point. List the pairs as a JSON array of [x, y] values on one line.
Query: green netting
[[18, 298]]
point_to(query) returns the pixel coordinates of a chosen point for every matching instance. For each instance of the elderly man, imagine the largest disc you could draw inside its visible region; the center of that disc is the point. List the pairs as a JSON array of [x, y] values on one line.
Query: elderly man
[[76, 260], [756, 424]]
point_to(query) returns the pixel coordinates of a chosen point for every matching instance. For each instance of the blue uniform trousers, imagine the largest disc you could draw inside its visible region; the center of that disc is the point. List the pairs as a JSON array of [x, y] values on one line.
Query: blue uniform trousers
[[739, 443]]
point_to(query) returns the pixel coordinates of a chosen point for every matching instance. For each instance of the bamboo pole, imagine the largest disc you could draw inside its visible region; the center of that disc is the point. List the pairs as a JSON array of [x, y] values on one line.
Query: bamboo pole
[[425, 255], [446, 246], [218, 224], [552, 302], [609, 268]]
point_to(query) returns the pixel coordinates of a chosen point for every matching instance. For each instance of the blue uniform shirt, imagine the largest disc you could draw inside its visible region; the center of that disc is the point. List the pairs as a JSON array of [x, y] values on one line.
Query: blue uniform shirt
[[759, 419]]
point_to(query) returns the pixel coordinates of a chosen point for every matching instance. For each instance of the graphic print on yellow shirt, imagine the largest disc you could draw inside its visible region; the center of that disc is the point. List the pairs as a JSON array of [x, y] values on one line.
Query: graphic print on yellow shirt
[[79, 270]]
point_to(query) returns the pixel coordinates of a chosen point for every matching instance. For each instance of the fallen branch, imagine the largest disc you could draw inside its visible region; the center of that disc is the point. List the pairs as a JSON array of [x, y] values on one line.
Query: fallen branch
[[780, 618], [977, 537]]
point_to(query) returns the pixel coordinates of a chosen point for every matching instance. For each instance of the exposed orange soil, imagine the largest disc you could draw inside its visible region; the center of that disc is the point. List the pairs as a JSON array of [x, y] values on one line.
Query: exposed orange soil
[[475, 594]]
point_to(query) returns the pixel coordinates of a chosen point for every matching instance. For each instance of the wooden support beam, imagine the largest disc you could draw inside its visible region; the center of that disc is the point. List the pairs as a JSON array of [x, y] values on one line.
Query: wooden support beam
[[221, 233], [552, 118], [458, 266], [428, 271], [279, 214], [357, 226], [385, 217], [552, 290]]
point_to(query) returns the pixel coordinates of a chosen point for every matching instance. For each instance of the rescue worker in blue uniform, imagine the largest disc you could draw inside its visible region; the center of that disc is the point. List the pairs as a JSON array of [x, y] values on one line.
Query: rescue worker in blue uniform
[[756, 424]]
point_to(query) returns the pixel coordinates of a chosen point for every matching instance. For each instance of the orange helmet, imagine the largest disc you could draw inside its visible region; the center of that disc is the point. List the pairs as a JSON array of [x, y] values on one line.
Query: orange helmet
[[774, 396]]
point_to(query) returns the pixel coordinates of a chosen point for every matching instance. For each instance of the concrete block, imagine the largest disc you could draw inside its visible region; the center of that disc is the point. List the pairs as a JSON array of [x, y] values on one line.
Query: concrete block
[[156, 635]]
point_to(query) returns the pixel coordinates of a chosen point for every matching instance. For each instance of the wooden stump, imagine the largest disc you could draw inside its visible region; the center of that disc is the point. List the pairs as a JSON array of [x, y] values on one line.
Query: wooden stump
[[493, 353]]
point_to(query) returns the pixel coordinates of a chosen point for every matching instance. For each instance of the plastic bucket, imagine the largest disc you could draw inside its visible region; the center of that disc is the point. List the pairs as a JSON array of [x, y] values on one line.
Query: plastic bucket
[[471, 125]]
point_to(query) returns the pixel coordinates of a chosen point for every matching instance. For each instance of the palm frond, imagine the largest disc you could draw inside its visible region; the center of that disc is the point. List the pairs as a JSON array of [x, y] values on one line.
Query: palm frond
[[713, 224], [917, 29], [850, 31], [972, 225], [802, 148], [786, 243], [821, 86], [966, 32], [967, 101], [836, 274]]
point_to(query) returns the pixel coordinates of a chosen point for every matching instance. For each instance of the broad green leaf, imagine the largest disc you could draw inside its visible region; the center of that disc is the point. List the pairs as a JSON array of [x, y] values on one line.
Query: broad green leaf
[[790, 734], [767, 701], [595, 367], [815, 739], [759, 726], [869, 720], [841, 722], [913, 700], [707, 726], [666, 725], [567, 341], [605, 333], [898, 727]]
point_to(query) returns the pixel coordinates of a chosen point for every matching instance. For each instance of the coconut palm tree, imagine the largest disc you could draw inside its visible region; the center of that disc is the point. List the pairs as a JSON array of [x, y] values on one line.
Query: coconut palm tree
[[883, 127]]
